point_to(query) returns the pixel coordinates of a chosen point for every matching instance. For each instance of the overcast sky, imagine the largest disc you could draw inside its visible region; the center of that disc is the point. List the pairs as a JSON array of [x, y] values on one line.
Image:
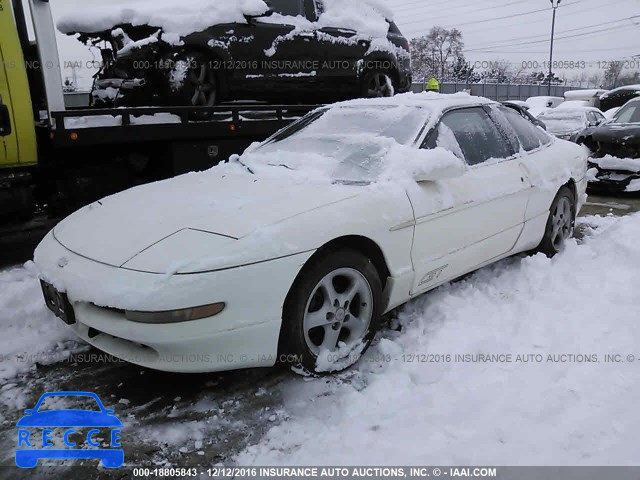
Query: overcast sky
[[594, 31]]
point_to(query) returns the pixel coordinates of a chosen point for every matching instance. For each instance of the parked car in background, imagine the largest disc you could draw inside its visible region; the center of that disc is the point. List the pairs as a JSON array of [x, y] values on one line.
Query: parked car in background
[[618, 97], [570, 123], [411, 192], [523, 109], [615, 164], [591, 97], [537, 105], [312, 51]]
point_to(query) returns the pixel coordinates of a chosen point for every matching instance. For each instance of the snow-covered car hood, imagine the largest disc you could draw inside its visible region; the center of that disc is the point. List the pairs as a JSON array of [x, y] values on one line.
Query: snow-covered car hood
[[216, 207]]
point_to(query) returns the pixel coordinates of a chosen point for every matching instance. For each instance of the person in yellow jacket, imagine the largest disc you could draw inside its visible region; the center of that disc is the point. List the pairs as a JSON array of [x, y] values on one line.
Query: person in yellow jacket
[[432, 86]]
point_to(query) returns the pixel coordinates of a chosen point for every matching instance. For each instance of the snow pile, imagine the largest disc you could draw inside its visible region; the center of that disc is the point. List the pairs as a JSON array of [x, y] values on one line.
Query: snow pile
[[367, 17], [30, 332], [567, 406], [176, 20]]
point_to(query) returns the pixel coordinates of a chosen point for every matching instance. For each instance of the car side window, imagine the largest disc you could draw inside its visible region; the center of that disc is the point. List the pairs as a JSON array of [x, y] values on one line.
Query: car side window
[[469, 132], [291, 8], [529, 135]]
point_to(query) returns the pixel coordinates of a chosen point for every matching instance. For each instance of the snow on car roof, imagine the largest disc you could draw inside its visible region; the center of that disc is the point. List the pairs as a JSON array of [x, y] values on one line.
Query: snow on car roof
[[580, 94], [182, 18], [367, 17], [622, 89], [433, 100]]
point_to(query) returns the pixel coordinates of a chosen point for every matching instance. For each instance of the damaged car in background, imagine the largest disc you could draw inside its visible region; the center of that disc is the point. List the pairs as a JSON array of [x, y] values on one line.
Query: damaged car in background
[[569, 123], [615, 164], [202, 52]]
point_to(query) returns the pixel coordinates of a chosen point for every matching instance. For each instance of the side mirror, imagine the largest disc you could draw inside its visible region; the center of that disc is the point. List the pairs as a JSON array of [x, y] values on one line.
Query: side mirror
[[5, 121], [433, 173]]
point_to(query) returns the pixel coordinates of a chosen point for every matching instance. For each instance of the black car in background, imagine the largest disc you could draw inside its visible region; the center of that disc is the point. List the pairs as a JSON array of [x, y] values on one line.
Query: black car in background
[[269, 57], [615, 165], [618, 97]]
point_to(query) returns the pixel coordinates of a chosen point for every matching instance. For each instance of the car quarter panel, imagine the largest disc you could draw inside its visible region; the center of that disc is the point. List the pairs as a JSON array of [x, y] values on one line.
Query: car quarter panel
[[551, 167]]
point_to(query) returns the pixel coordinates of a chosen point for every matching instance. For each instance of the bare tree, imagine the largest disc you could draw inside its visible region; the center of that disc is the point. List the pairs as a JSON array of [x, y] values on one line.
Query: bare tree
[[613, 73], [433, 54]]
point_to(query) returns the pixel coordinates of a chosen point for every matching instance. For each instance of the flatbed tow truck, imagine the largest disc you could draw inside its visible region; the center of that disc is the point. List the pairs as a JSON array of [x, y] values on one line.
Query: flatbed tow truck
[[58, 159]]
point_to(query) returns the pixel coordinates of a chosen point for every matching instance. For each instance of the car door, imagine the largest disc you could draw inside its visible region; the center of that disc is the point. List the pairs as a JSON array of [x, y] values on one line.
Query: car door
[[467, 221], [537, 158]]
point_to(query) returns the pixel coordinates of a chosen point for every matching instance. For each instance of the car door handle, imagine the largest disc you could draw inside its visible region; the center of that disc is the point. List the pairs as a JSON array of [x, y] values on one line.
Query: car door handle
[[307, 35]]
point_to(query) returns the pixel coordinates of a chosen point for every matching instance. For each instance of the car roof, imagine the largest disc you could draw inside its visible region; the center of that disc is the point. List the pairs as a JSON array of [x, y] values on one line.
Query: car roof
[[431, 100]]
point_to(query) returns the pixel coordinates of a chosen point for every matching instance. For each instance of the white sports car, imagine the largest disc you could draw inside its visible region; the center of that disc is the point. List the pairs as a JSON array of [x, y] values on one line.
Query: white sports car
[[292, 252]]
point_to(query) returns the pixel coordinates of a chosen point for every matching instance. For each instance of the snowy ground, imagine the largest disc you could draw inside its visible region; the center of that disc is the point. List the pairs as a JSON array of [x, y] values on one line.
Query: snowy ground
[[411, 400]]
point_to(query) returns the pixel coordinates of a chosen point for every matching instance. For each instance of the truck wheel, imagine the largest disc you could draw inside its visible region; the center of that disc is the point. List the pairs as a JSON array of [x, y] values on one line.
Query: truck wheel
[[193, 82], [377, 83], [331, 314]]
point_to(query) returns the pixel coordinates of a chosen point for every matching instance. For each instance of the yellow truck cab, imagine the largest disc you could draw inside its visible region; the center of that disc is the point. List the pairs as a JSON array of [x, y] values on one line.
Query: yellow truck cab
[[18, 148]]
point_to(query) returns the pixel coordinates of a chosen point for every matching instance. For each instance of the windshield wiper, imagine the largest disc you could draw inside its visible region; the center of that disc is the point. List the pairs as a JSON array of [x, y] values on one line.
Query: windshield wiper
[[245, 166], [280, 165]]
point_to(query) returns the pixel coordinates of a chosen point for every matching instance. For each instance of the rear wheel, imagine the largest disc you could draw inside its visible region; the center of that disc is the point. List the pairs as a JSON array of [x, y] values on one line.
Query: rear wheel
[[377, 83], [192, 81], [332, 313], [560, 224]]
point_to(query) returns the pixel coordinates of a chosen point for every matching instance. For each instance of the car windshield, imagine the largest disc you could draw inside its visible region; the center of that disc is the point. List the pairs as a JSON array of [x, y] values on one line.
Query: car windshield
[[348, 143], [630, 113], [560, 121]]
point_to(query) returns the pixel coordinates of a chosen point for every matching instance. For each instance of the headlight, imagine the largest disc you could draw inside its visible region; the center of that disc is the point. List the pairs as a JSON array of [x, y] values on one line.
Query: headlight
[[176, 316]]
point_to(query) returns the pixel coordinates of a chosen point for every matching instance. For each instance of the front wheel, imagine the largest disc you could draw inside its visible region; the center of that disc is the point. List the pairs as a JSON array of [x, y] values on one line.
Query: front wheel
[[332, 313], [561, 223]]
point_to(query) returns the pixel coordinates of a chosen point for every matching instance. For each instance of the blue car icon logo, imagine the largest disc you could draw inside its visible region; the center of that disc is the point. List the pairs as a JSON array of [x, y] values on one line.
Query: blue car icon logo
[[32, 448]]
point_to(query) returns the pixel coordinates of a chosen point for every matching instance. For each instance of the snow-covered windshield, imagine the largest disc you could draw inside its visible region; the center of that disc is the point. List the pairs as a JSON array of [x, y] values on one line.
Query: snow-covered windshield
[[630, 113], [558, 121], [348, 143]]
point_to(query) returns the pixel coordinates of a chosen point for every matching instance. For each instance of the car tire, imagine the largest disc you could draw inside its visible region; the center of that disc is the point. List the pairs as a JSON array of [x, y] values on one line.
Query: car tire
[[191, 81], [377, 83], [561, 223], [331, 314]]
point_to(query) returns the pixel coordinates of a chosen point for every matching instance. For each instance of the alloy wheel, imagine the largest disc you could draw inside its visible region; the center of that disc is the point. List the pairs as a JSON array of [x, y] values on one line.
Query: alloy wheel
[[380, 85], [561, 223], [338, 311]]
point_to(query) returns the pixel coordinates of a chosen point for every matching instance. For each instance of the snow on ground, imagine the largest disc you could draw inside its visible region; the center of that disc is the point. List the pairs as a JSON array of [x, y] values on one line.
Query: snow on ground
[[30, 332], [396, 408]]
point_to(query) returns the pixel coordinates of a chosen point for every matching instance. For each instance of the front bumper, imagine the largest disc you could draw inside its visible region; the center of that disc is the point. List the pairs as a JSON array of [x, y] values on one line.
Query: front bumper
[[244, 335], [602, 180]]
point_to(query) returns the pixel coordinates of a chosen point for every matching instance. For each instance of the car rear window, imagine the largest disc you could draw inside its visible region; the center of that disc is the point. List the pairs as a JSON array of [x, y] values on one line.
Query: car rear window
[[529, 135]]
